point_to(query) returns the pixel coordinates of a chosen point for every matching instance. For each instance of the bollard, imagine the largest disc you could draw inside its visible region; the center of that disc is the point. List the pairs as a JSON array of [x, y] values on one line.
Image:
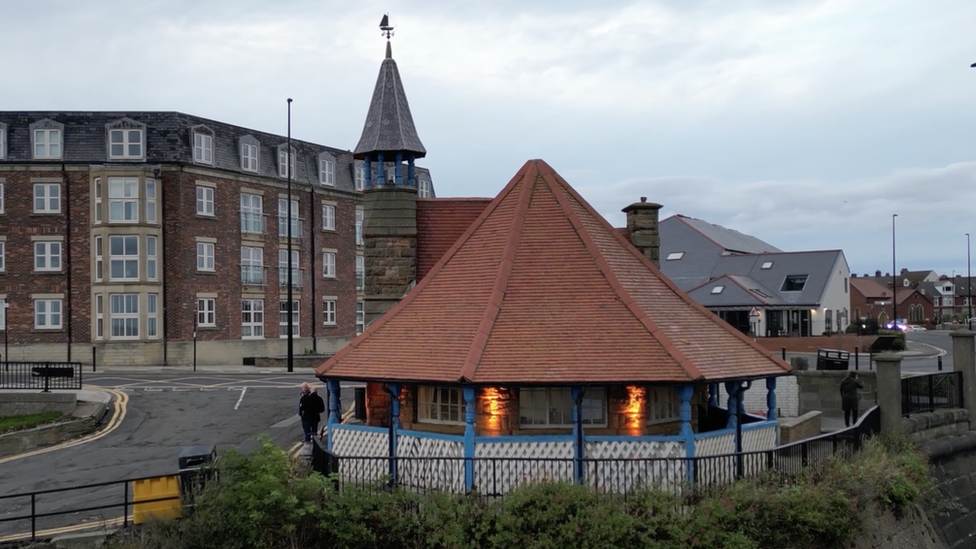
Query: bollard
[[93, 358], [940, 363], [360, 403], [857, 365], [784, 353]]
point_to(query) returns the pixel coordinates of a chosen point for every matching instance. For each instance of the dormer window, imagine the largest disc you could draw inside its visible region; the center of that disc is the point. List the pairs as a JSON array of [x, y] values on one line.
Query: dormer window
[[794, 283], [3, 141], [249, 154], [327, 170], [767, 265], [47, 138], [423, 188], [283, 163], [674, 256], [126, 140], [717, 290], [203, 149], [360, 176]]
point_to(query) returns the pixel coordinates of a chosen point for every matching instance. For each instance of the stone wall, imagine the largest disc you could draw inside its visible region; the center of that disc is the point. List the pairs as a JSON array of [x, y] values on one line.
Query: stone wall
[[787, 397], [820, 390], [799, 428], [932, 425], [953, 471], [299, 361], [390, 250], [26, 403]]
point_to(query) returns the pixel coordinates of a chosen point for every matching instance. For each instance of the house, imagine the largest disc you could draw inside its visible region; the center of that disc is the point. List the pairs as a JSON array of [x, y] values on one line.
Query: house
[[754, 286], [140, 233], [871, 300]]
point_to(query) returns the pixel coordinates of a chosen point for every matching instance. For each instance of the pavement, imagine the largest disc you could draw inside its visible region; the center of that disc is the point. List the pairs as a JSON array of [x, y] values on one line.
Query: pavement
[[308, 372]]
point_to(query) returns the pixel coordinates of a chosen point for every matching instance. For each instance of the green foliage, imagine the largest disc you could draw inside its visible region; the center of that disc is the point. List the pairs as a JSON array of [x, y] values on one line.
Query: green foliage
[[265, 500], [899, 343], [16, 423]]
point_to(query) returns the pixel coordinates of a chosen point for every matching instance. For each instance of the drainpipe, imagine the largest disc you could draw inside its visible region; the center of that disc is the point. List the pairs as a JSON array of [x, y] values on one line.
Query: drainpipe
[[578, 469], [311, 269], [67, 254], [160, 256]]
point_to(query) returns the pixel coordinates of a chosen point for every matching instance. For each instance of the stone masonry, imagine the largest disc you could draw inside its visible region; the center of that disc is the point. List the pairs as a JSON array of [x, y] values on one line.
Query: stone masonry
[[390, 234]]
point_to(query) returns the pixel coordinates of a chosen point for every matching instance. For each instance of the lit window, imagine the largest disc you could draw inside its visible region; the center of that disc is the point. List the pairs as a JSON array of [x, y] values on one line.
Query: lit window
[[283, 319], [360, 216], [47, 256], [202, 148], [124, 310], [360, 317], [674, 256], [767, 265], [123, 200], [794, 283], [125, 144], [123, 257], [553, 407], [252, 218], [252, 266], [207, 312], [249, 157], [718, 289], [440, 405], [47, 314], [205, 200], [47, 198], [296, 273], [662, 405], [329, 264], [328, 217], [47, 144], [252, 318], [327, 172], [205, 256], [329, 312], [360, 273]]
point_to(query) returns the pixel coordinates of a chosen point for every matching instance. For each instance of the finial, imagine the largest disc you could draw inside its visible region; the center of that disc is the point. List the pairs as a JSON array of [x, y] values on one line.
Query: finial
[[385, 28]]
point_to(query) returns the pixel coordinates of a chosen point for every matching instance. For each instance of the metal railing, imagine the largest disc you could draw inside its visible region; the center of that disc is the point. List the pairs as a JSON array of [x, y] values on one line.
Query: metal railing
[[254, 223], [254, 275], [928, 392], [296, 277], [297, 226], [41, 375]]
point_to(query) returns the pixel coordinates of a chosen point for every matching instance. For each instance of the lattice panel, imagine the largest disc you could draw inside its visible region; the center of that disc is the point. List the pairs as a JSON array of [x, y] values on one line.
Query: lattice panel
[[513, 464], [630, 449], [627, 465], [762, 438], [355, 442], [715, 445], [431, 473]]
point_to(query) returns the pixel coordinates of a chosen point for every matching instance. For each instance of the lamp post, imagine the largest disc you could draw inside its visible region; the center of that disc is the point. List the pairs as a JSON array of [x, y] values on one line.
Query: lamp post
[[291, 328], [6, 329], [969, 286], [894, 286]]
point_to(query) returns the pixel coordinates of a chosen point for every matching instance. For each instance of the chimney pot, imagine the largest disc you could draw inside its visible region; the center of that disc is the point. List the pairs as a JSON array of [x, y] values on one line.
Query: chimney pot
[[643, 199]]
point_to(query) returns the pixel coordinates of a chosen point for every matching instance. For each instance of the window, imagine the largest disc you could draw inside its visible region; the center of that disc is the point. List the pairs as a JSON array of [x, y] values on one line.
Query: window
[[47, 144], [718, 289], [152, 316], [150, 201], [3, 141], [767, 265], [151, 262], [99, 256], [440, 405], [98, 201], [553, 407], [252, 220], [47, 198], [123, 257], [296, 277], [360, 216], [123, 199], [47, 314], [283, 163], [205, 200], [2, 200], [206, 312], [283, 319], [360, 317], [794, 283], [360, 177], [329, 312], [205, 256], [283, 218], [47, 256], [99, 317], [252, 318], [202, 148], [360, 273], [125, 144], [3, 256], [328, 217], [423, 188], [252, 266], [662, 405], [249, 157], [327, 172], [124, 311], [3, 314], [329, 264], [674, 256]]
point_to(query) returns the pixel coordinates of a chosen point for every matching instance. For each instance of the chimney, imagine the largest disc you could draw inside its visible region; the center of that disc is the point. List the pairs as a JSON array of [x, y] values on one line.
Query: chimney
[[877, 273], [642, 224]]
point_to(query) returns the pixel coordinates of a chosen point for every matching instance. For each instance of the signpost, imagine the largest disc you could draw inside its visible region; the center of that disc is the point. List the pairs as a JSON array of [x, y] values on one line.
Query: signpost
[[754, 321]]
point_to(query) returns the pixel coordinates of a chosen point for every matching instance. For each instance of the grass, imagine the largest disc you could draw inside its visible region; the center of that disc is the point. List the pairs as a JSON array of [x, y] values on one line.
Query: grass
[[16, 423]]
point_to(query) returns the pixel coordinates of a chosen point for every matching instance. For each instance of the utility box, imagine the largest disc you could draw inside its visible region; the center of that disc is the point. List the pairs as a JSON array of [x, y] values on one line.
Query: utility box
[[192, 477], [156, 498], [833, 359]]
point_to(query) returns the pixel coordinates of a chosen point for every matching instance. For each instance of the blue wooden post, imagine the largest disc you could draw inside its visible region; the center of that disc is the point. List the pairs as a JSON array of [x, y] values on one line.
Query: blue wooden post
[[579, 444], [732, 388], [380, 179], [367, 172], [469, 433], [771, 398], [410, 177], [685, 392], [334, 411], [712, 395], [398, 169], [394, 390]]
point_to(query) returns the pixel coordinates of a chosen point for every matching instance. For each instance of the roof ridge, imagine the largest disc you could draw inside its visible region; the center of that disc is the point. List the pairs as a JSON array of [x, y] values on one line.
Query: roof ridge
[[628, 301]]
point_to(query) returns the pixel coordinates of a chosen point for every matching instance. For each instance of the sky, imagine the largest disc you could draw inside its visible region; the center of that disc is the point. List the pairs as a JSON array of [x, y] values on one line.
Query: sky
[[805, 123]]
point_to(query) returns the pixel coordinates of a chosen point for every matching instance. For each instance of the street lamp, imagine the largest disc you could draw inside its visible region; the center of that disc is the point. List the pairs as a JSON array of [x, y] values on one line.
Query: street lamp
[[291, 328], [894, 300], [969, 286]]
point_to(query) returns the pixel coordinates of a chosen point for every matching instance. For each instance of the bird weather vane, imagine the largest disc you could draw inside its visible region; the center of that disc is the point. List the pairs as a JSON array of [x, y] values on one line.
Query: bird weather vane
[[385, 28]]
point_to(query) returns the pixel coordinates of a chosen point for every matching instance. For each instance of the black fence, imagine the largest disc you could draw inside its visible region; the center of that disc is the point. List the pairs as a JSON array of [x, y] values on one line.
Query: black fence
[[928, 392], [41, 375]]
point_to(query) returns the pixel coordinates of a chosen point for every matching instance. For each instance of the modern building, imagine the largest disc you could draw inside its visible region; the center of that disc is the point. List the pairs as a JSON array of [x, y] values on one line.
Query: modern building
[[157, 237]]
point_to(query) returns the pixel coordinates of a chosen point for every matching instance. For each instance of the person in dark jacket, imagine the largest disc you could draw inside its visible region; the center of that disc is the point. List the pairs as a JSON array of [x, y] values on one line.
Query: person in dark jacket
[[849, 397], [310, 408]]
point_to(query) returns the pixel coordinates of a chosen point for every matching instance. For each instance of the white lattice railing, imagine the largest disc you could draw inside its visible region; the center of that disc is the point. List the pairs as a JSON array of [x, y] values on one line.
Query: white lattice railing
[[527, 462], [714, 445], [426, 470], [361, 442], [628, 465], [759, 438]]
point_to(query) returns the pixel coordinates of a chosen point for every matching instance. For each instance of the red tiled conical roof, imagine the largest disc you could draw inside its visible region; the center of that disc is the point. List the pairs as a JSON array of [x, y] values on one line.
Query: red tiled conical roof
[[541, 289]]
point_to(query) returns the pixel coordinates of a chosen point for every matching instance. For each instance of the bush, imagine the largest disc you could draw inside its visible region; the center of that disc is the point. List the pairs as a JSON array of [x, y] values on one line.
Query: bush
[[899, 343]]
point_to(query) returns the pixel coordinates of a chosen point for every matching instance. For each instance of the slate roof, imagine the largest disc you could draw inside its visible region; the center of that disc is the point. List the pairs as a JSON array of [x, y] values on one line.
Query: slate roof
[[737, 291], [440, 222], [542, 290], [389, 125], [729, 240], [168, 136]]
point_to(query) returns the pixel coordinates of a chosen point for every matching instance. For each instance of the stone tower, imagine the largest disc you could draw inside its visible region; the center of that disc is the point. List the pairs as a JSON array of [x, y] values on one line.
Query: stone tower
[[642, 224], [389, 144]]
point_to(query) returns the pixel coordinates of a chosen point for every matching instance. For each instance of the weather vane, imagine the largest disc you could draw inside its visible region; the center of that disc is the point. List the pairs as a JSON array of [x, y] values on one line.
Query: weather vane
[[385, 27]]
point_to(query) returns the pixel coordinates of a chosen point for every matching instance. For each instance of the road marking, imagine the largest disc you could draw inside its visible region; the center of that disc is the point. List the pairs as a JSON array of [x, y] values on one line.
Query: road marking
[[238, 405], [118, 414], [295, 449], [110, 523]]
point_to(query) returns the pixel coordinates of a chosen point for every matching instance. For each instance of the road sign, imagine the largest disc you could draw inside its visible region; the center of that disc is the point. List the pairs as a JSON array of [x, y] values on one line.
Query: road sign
[[753, 313]]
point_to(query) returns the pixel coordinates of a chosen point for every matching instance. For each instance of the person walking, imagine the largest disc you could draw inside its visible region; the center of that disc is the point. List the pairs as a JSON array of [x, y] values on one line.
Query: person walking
[[849, 397], [310, 408]]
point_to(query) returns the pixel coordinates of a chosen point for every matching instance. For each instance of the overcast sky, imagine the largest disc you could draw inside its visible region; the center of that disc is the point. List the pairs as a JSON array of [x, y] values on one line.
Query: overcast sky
[[806, 123]]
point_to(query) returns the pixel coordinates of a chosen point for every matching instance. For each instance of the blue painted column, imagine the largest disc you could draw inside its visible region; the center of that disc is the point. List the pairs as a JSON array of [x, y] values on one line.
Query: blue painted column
[[394, 390], [469, 433], [712, 395], [334, 411], [380, 179], [367, 171], [410, 177], [398, 169], [732, 388], [771, 398], [579, 444], [685, 392]]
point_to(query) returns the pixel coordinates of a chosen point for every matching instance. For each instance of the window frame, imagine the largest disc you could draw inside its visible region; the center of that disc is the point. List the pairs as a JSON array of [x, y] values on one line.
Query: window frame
[[429, 401], [125, 315], [252, 217], [360, 181], [248, 318], [360, 316], [329, 307], [152, 257], [247, 160], [283, 318], [206, 312], [791, 281], [283, 164], [126, 144], [294, 262], [48, 313], [564, 395], [360, 273], [47, 198], [328, 217], [3, 141], [124, 199], [296, 225], [250, 265], [207, 202], [3, 196], [203, 148], [152, 315], [47, 253], [360, 222], [3, 256], [327, 172], [152, 215], [48, 142], [654, 405], [207, 252], [423, 188], [329, 263], [124, 258]]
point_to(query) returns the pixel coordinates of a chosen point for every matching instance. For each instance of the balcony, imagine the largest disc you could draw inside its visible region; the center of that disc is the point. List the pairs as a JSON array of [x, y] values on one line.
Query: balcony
[[254, 275], [254, 223], [297, 227], [296, 275]]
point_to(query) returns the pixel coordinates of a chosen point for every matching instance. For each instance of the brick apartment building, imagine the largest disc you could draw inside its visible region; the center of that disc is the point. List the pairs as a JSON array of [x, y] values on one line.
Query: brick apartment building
[[131, 231]]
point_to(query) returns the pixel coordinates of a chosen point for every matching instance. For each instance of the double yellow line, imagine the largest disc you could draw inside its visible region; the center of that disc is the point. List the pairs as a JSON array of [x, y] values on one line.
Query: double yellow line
[[51, 532]]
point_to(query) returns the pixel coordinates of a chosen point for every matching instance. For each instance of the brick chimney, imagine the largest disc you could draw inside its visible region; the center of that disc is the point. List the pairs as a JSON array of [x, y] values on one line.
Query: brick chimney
[[642, 224]]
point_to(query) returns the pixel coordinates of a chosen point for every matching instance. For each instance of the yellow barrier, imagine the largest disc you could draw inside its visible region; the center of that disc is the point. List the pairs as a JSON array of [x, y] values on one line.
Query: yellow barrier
[[155, 488]]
